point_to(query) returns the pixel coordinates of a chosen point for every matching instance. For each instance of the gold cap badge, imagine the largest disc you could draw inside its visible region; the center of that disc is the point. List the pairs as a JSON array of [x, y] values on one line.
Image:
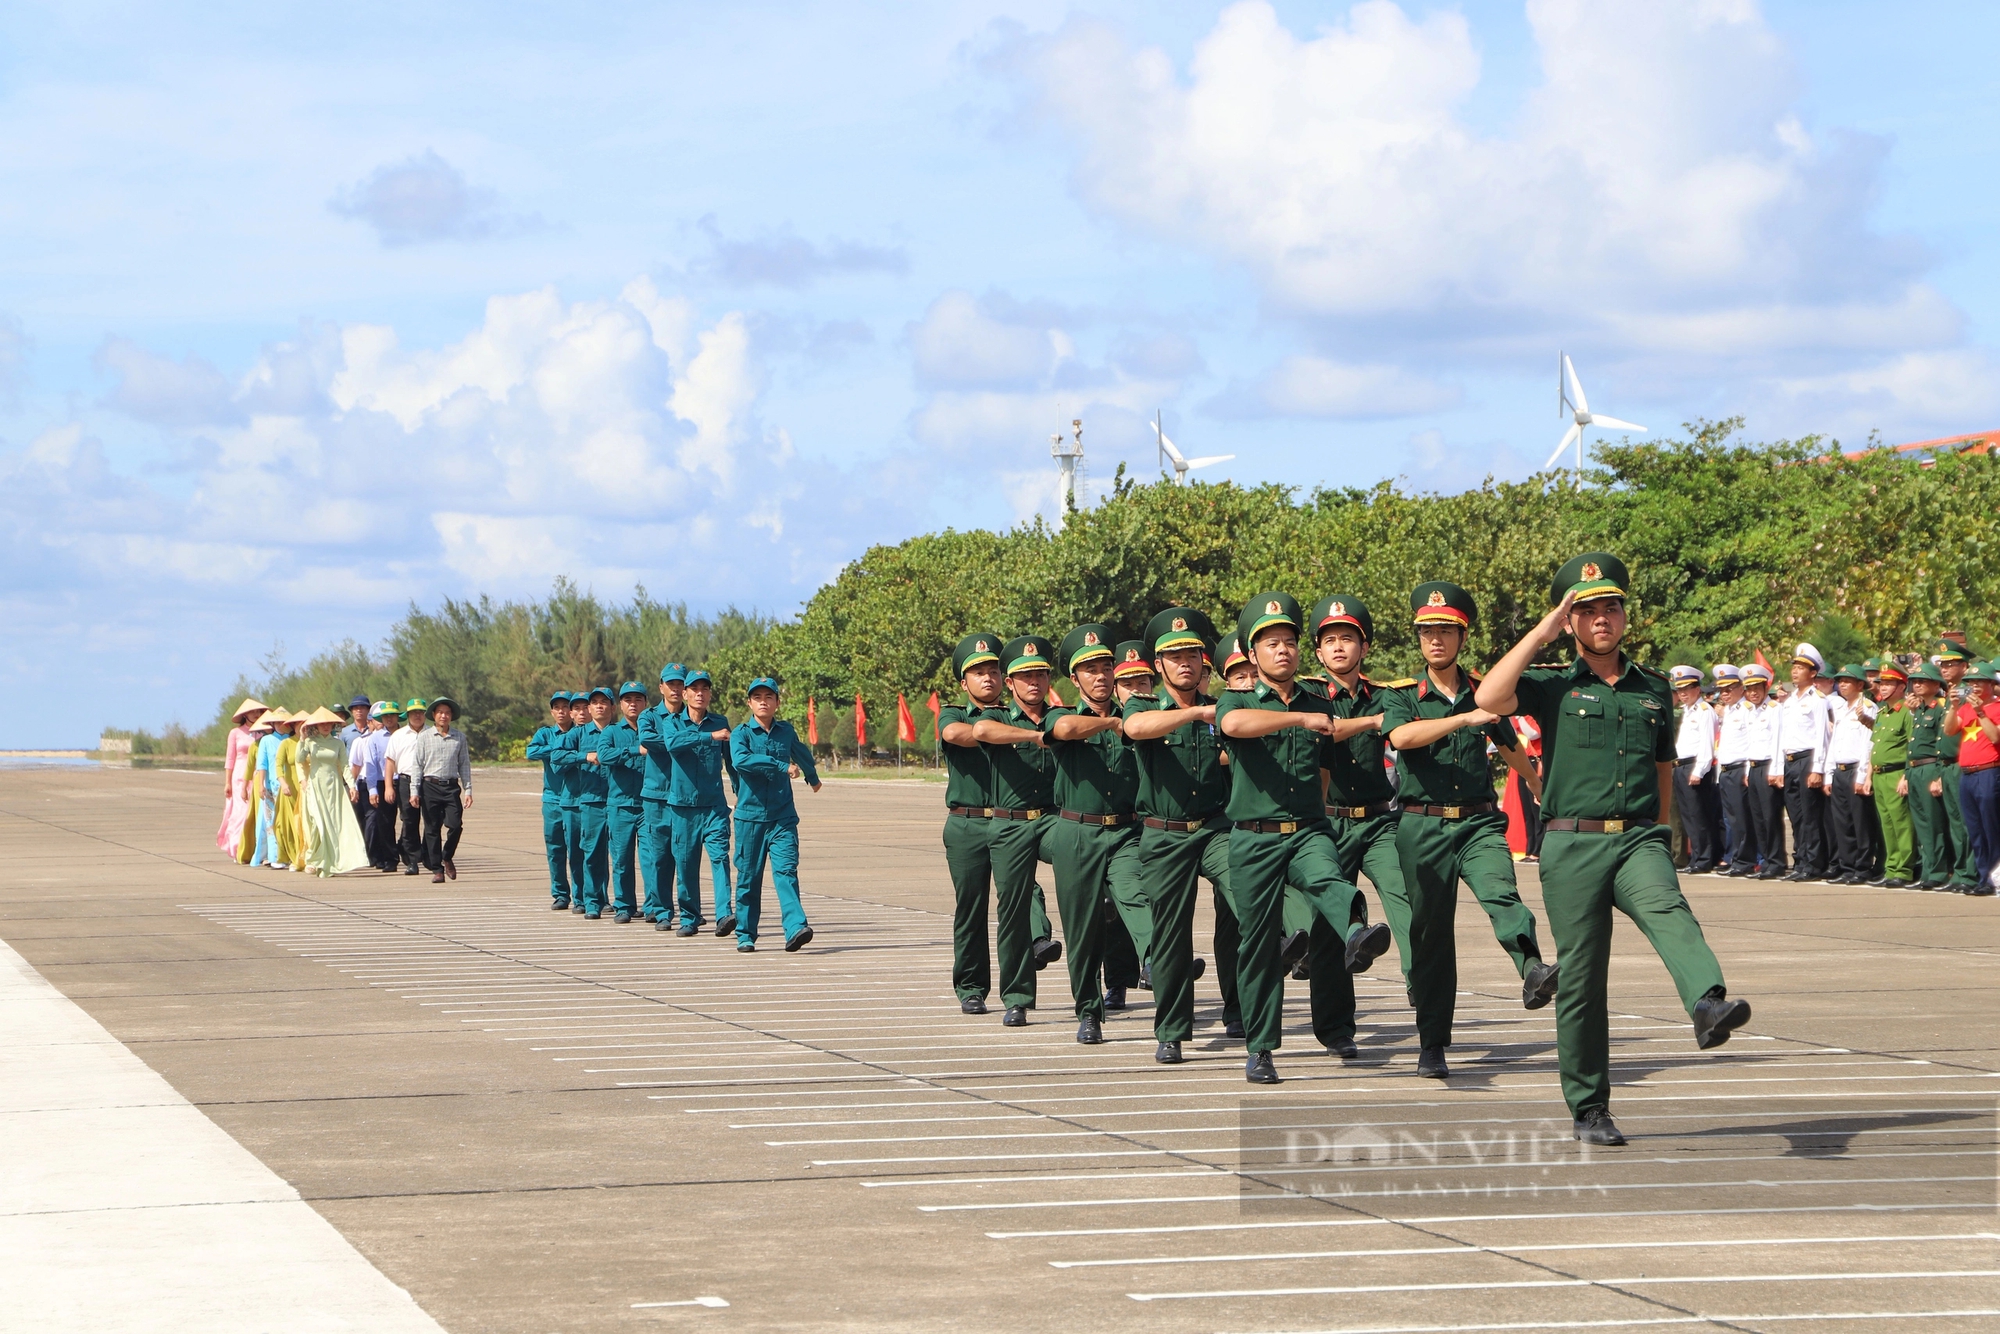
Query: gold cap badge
[[1591, 570], [1131, 655], [981, 648], [1272, 608], [1180, 622], [1437, 597], [1090, 638]]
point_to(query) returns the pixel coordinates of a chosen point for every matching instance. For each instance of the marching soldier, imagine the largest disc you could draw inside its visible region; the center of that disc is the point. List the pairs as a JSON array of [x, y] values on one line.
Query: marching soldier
[[1451, 829], [593, 797], [657, 859], [623, 760], [698, 814], [1023, 788], [1095, 847], [1133, 678], [1607, 741], [1694, 776], [1888, 780], [555, 837], [1134, 673], [1280, 835], [1184, 834], [763, 752]]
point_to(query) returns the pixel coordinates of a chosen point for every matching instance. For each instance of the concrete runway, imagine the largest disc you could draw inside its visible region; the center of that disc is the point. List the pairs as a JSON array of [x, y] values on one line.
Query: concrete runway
[[534, 1123]]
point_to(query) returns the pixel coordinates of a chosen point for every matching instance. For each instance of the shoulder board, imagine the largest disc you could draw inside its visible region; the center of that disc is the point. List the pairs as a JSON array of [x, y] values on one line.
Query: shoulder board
[[1472, 676], [1550, 666], [1313, 685], [1650, 671], [1401, 683], [1152, 696]]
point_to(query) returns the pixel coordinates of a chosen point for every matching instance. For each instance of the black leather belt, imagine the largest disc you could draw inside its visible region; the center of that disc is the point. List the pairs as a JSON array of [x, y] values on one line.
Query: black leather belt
[[1096, 821], [1735, 765], [1451, 812], [1687, 760], [1890, 768], [1594, 826], [1847, 768], [1791, 755], [1176, 826], [1361, 812]]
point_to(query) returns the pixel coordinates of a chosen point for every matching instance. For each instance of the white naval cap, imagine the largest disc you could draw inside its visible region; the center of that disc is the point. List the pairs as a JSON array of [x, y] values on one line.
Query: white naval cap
[[1685, 675], [1724, 673], [1811, 656]]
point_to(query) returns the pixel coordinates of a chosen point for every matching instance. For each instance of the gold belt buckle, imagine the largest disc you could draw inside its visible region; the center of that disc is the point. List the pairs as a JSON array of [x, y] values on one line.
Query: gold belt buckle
[[1453, 812], [1035, 814], [1614, 826], [1288, 826], [987, 811]]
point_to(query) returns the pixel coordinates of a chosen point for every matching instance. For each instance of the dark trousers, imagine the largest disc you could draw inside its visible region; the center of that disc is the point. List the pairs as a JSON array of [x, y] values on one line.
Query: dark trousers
[[1737, 800], [1808, 815], [1767, 813], [378, 824], [410, 838], [1979, 800], [443, 816], [1854, 847], [1704, 837]]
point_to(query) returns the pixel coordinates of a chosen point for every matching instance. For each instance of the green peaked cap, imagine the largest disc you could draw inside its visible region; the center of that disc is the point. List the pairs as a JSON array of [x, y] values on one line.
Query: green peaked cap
[[1027, 653], [1264, 611], [1084, 644], [978, 647], [1594, 574], [1179, 627]]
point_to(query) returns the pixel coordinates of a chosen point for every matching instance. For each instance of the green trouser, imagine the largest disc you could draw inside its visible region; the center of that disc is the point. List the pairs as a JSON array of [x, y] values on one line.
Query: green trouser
[[1436, 854], [1261, 866], [1928, 816], [1368, 847], [1893, 811], [968, 854], [1171, 865], [1964, 867], [1014, 852], [1087, 859], [1585, 876], [1121, 961]]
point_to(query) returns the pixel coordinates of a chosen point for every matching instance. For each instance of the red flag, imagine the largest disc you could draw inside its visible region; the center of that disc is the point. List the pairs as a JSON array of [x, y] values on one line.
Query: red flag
[[1765, 663], [812, 723], [934, 707], [860, 721], [906, 726]]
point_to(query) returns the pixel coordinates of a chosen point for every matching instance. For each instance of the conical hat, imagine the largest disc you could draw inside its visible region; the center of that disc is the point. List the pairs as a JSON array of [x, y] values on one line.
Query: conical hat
[[323, 714], [278, 714], [247, 706]]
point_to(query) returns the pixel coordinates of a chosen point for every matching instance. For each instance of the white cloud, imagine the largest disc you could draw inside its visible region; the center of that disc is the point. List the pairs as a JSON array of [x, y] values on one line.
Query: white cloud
[[425, 198], [959, 344], [1658, 185], [1952, 391], [1304, 386]]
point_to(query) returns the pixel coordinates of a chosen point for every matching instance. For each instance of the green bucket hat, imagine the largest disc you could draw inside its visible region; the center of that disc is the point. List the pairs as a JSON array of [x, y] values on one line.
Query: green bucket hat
[[1927, 671], [981, 646], [1179, 627], [1264, 611], [1442, 603], [1342, 609], [1594, 574], [416, 706], [1086, 643], [1980, 671], [1026, 653]]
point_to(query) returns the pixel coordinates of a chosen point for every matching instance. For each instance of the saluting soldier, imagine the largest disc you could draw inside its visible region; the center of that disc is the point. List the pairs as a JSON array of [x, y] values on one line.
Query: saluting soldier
[[1184, 833], [1888, 779], [1023, 789], [1607, 738], [543, 746], [1280, 835], [1451, 829], [657, 859], [1095, 848]]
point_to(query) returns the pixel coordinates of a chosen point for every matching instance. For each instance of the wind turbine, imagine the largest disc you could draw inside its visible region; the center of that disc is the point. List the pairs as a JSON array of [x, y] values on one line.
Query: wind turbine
[[1578, 410], [1181, 465]]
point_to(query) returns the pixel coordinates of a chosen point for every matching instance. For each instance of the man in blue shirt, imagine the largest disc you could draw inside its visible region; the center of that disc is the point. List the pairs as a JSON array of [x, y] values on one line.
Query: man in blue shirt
[[656, 835], [593, 796], [700, 817], [543, 746], [624, 762], [764, 754]]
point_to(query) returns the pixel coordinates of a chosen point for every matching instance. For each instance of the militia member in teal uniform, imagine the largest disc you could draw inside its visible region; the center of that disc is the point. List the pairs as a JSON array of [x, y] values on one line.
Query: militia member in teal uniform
[[624, 765], [1094, 847], [593, 797], [1280, 836], [1608, 743], [569, 764], [1023, 791], [1184, 831], [1451, 828], [700, 749], [764, 751], [657, 726], [543, 746]]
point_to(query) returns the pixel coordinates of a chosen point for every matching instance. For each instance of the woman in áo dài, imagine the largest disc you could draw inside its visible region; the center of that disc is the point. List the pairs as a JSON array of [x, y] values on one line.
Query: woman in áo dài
[[235, 784], [333, 836]]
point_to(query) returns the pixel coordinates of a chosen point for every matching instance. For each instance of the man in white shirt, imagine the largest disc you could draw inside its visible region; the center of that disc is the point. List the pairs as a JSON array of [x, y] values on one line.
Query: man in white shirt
[[1737, 729], [1850, 748], [400, 769], [1799, 763], [1694, 772], [1766, 773]]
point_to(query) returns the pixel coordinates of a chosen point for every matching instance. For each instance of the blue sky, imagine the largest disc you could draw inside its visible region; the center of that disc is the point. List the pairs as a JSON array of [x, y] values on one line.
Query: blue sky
[[307, 316]]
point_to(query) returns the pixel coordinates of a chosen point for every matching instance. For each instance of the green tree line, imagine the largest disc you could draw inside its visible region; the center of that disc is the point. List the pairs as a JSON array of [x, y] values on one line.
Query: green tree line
[[1733, 546]]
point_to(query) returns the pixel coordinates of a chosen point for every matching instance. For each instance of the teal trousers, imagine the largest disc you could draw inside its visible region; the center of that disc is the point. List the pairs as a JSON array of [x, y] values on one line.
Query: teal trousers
[[656, 861], [555, 837], [593, 846], [621, 841], [759, 841], [699, 829]]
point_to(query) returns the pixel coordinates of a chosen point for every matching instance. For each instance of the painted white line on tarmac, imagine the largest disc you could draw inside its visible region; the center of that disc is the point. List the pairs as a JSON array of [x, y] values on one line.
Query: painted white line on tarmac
[[1654, 1322], [1639, 1282], [1468, 1249]]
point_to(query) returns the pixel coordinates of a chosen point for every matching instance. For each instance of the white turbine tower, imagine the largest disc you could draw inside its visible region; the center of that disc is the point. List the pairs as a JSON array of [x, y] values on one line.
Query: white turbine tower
[[1571, 403], [1069, 458], [1182, 466]]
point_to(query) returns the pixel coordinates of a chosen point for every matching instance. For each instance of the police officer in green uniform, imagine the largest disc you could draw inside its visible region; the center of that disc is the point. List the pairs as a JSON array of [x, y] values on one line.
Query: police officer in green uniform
[[1888, 776], [1184, 833], [1608, 743], [1929, 725], [1023, 806], [1094, 847], [1280, 835], [1451, 828]]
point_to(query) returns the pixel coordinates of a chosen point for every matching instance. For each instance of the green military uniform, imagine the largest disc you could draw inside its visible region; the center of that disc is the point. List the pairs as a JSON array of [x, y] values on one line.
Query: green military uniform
[[1360, 801], [1023, 795], [1451, 829], [1184, 835], [1888, 762], [1964, 867], [1941, 840], [1602, 743], [1121, 957], [968, 832], [1094, 846], [1280, 836]]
